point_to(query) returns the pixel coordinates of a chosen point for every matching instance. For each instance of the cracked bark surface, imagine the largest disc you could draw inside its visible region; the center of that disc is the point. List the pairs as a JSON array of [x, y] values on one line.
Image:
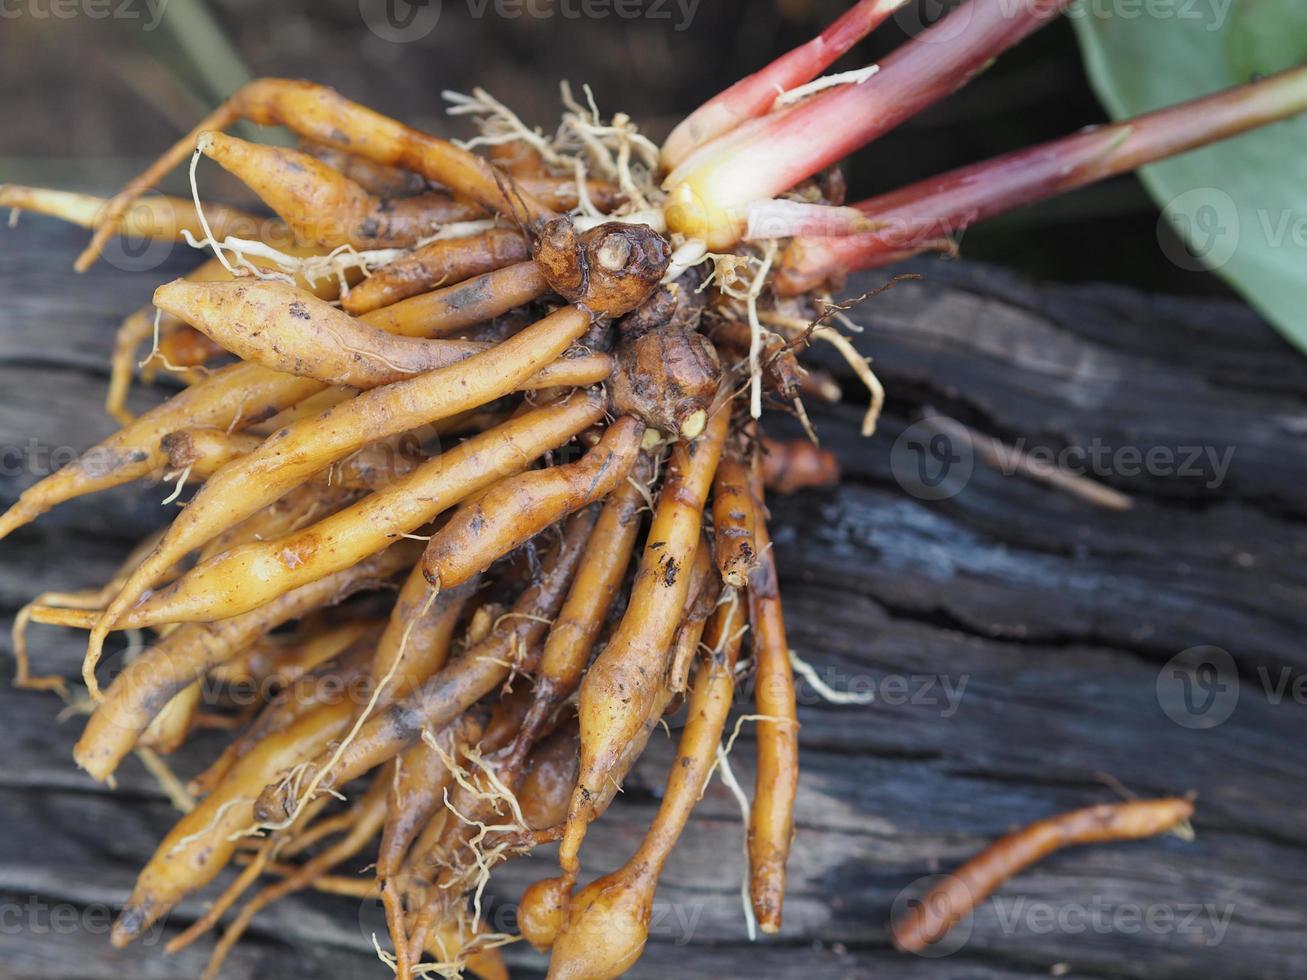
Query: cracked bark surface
[[1014, 634]]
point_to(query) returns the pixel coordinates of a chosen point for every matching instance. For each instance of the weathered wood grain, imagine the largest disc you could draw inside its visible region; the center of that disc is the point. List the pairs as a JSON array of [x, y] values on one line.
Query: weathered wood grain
[[1014, 636]]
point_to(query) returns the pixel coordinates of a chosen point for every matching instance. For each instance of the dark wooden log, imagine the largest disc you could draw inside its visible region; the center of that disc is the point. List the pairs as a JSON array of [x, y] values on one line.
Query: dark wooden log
[[1015, 636]]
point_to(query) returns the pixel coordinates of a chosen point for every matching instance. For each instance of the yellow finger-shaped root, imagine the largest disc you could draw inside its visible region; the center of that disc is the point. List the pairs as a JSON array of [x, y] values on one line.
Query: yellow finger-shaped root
[[618, 689], [203, 841], [304, 658], [325, 208], [375, 178], [438, 263], [246, 577], [417, 792], [771, 820], [934, 914], [418, 636], [320, 114], [150, 681], [140, 326], [205, 450], [292, 455], [608, 921], [449, 311], [598, 581], [452, 691], [168, 729], [345, 679], [733, 519], [282, 328], [244, 390], [152, 217], [517, 509], [368, 815]]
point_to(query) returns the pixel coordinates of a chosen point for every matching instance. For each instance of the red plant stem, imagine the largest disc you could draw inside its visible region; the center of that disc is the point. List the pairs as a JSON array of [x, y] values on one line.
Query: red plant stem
[[921, 215], [754, 95], [764, 157]]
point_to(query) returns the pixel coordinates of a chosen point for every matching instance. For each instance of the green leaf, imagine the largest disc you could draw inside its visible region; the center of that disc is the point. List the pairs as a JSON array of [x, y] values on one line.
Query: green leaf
[[1241, 205]]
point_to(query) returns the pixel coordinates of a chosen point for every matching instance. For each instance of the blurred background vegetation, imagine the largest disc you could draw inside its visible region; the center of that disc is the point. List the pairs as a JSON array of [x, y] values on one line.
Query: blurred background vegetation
[[91, 98]]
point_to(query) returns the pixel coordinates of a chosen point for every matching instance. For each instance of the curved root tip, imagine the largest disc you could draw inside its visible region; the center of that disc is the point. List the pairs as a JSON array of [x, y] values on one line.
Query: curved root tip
[[94, 650], [12, 519], [131, 922], [271, 806]]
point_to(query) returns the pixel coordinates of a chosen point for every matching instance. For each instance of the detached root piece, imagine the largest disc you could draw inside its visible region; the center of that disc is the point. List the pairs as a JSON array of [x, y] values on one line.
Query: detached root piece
[[519, 508], [771, 821], [619, 688], [319, 114], [953, 899], [608, 922], [788, 467]]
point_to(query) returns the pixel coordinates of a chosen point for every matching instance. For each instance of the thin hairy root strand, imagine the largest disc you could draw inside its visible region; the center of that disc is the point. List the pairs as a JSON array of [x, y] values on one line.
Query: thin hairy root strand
[[246, 577], [771, 820], [305, 447], [608, 921], [619, 688], [931, 916], [520, 507], [149, 682], [454, 689]]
